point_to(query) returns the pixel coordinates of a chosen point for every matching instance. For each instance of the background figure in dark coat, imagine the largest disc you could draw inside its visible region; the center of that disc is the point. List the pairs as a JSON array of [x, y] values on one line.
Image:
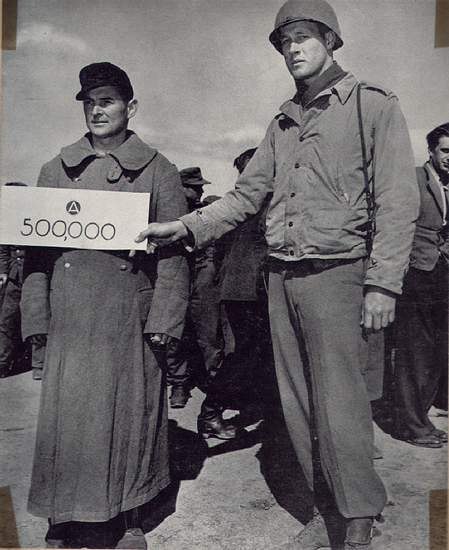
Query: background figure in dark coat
[[198, 357], [422, 322], [102, 435], [13, 352], [244, 382]]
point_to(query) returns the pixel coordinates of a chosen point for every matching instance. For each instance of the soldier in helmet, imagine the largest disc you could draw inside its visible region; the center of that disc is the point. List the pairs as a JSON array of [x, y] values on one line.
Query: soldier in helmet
[[334, 275]]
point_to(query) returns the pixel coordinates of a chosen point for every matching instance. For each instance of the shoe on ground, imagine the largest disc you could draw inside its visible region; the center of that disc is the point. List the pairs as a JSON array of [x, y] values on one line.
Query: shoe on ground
[[37, 374], [441, 434], [57, 536], [359, 533], [314, 536], [178, 397], [430, 441], [133, 539], [216, 427]]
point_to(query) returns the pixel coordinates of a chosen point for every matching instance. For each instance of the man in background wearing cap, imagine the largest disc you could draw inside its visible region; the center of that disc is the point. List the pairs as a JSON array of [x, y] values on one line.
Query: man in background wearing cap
[[324, 292], [101, 446], [204, 322]]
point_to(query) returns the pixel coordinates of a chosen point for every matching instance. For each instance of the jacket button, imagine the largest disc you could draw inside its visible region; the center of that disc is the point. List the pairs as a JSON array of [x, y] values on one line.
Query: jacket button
[[67, 264], [123, 267], [297, 165], [292, 195], [301, 138], [291, 253], [290, 224]]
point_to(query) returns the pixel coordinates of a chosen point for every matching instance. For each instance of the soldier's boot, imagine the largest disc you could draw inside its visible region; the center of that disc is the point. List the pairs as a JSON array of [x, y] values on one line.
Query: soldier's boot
[[133, 537], [179, 396], [58, 535], [212, 424], [359, 533]]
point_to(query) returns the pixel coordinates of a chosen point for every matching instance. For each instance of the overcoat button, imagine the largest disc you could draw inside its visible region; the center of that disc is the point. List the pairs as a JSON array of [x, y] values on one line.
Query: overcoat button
[[67, 264], [123, 267]]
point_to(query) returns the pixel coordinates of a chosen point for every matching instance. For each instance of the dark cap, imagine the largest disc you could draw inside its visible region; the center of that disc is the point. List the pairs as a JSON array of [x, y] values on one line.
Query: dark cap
[[192, 177], [104, 74]]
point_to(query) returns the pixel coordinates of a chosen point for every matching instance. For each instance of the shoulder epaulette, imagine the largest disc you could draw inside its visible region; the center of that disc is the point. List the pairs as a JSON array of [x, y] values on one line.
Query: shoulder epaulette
[[377, 88]]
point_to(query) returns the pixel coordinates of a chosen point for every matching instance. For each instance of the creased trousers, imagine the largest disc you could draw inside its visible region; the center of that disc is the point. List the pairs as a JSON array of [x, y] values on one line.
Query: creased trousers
[[320, 354]]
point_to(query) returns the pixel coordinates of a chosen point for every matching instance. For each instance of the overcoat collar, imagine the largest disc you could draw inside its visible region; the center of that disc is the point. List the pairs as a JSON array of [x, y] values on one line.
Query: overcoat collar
[[133, 153], [342, 89]]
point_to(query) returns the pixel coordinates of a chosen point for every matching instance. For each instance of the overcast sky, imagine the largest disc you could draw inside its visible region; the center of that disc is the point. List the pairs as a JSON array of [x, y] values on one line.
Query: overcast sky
[[207, 79]]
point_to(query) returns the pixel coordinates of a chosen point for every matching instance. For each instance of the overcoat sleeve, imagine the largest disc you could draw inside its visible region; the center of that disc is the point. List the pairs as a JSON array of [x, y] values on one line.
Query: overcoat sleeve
[[37, 270], [170, 298]]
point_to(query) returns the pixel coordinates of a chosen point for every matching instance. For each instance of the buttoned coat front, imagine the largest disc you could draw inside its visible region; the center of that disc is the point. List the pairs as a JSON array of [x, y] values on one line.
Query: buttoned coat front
[[101, 444]]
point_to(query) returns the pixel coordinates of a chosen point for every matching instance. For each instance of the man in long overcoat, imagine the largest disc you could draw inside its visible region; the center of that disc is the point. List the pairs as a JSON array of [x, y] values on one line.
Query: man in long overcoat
[[320, 154], [101, 445]]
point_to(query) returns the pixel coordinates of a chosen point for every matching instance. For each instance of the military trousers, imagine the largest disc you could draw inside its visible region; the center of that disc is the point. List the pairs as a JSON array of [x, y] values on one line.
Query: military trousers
[[320, 353], [421, 348]]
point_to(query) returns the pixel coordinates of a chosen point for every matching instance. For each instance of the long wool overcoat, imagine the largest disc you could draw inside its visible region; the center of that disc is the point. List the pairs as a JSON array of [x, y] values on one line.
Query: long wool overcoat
[[101, 443]]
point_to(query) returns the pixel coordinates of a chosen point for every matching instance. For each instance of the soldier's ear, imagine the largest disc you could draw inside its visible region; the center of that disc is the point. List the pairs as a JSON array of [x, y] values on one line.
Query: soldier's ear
[[132, 107], [330, 40]]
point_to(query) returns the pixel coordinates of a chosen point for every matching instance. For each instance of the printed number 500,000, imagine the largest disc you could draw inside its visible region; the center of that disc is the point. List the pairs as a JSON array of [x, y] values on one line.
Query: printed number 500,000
[[74, 230]]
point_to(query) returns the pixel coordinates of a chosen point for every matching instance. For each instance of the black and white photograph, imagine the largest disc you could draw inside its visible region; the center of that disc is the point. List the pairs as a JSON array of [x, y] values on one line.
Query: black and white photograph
[[224, 274]]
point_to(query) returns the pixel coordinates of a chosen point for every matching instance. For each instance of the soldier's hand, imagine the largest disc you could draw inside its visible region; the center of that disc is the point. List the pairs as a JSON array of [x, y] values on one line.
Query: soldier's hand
[[3, 279], [378, 308], [161, 234]]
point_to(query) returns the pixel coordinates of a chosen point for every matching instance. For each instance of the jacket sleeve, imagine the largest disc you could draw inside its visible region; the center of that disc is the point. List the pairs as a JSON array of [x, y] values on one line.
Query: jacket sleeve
[[171, 291], [396, 197], [209, 223], [5, 259], [37, 271]]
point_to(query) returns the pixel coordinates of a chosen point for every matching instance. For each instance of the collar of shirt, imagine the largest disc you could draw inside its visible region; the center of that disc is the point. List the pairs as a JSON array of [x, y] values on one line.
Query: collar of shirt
[[342, 89], [133, 153]]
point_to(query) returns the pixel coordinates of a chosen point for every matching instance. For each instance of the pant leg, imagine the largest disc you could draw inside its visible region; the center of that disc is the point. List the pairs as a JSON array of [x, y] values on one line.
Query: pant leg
[[10, 337], [205, 315], [421, 354], [324, 309], [234, 384], [177, 364], [289, 351]]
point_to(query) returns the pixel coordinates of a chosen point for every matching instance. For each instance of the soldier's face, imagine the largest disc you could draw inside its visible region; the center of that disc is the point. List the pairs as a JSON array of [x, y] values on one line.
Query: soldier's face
[[304, 50], [440, 156], [106, 113]]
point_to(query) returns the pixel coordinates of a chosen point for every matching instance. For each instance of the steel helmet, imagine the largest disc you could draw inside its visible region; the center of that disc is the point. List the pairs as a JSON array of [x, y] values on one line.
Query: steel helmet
[[306, 10]]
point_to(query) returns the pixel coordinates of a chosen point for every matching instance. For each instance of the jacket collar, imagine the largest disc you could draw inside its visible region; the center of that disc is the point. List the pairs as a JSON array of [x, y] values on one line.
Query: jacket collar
[[434, 185], [342, 89], [133, 153]]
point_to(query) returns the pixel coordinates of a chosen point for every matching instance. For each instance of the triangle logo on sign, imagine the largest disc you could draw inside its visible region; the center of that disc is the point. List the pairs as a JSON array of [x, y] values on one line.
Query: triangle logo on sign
[[73, 207]]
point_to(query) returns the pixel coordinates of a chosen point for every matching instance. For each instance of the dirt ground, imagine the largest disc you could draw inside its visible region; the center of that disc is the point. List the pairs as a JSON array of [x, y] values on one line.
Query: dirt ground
[[240, 495]]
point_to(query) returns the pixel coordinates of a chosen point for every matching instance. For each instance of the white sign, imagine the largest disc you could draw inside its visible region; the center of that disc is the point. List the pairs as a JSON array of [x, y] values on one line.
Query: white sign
[[72, 218]]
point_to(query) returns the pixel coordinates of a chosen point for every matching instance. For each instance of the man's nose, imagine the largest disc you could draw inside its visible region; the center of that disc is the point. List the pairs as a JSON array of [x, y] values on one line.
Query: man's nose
[[96, 110]]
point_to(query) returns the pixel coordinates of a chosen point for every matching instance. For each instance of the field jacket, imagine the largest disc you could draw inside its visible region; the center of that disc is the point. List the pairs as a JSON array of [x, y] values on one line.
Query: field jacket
[[311, 160]]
